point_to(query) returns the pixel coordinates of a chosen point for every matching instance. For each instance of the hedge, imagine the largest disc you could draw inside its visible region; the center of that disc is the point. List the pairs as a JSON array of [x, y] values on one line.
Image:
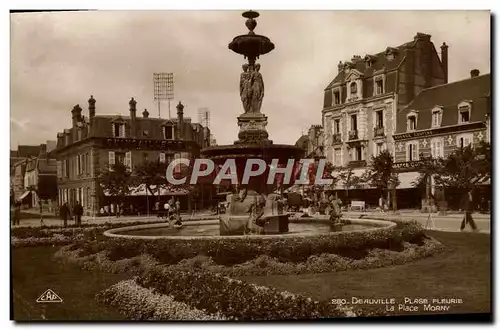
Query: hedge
[[216, 293]]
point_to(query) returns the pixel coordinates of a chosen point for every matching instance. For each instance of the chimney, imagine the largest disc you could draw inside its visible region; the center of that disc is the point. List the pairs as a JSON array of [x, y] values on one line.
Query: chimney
[[133, 123], [340, 66], [444, 61], [76, 114], [474, 73], [180, 120], [145, 113], [91, 108]]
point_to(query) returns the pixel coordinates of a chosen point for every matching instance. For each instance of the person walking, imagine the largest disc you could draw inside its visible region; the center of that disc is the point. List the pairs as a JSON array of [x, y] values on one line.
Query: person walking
[[64, 213], [78, 211], [468, 207], [167, 210], [178, 208], [17, 213]]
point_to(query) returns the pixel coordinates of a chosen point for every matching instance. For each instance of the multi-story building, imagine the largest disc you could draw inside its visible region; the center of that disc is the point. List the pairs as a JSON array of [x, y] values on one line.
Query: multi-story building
[[439, 120], [361, 102], [40, 181], [312, 143], [93, 143], [22, 159]]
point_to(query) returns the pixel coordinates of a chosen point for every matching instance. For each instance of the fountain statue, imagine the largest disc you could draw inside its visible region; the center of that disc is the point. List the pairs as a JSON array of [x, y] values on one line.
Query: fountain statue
[[253, 210]]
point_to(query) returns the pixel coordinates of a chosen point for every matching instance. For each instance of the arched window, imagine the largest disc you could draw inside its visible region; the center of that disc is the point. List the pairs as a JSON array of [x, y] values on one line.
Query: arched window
[[353, 87]]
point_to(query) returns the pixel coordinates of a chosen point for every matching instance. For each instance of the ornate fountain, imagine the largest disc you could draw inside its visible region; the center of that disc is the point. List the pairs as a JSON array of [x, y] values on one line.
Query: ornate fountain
[[254, 209]]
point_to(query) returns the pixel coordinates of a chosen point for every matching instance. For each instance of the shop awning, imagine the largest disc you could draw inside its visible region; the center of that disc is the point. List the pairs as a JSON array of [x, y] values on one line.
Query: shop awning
[[406, 180], [141, 190], [24, 195], [482, 180]]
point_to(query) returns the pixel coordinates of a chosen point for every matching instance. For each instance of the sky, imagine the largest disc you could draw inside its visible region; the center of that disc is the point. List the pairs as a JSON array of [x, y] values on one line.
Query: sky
[[59, 59]]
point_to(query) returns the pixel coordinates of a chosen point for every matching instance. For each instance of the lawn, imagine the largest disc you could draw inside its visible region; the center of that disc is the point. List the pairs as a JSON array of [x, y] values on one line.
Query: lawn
[[462, 271], [34, 271]]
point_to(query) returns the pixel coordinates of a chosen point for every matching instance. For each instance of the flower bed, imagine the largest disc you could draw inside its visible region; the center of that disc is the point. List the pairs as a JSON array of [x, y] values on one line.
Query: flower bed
[[236, 299], [323, 263], [139, 303]]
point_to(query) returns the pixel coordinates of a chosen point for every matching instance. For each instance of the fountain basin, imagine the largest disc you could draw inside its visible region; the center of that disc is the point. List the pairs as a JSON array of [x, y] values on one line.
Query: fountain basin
[[209, 229]]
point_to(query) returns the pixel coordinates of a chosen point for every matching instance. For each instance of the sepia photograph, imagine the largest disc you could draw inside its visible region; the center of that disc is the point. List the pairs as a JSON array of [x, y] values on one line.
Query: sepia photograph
[[250, 165]]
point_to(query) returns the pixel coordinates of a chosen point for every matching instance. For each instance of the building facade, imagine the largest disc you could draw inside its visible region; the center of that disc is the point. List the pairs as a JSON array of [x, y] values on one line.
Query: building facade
[[312, 143], [40, 179], [440, 120], [361, 103], [93, 144]]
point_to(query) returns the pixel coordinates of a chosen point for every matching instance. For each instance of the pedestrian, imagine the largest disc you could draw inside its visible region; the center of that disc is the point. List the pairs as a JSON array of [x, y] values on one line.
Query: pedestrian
[[167, 210], [468, 207], [17, 213], [381, 204], [64, 213], [78, 211], [178, 208]]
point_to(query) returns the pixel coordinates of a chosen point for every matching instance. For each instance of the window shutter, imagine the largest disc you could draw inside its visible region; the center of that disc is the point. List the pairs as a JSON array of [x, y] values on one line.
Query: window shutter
[[415, 151], [111, 156], [162, 157], [122, 130], [128, 160], [113, 129]]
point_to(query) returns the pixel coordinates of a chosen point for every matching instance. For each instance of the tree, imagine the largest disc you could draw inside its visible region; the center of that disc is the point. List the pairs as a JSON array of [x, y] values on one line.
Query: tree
[[117, 180], [430, 167], [463, 167], [381, 175], [348, 178], [153, 175]]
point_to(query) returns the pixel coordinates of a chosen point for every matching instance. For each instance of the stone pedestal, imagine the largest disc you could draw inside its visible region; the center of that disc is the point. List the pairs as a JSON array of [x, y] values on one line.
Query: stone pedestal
[[232, 224], [253, 129], [276, 224]]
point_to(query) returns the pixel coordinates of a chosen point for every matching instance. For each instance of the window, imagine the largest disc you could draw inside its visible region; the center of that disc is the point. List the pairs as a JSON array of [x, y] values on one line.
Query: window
[[78, 165], [437, 148], [336, 126], [66, 168], [436, 118], [412, 123], [168, 132], [111, 158], [336, 97], [354, 88], [358, 153], [464, 140], [79, 134], [118, 130], [379, 147], [379, 117], [354, 122], [59, 169], [464, 116], [87, 167], [412, 151], [120, 158], [338, 157], [145, 133], [379, 86], [128, 160]]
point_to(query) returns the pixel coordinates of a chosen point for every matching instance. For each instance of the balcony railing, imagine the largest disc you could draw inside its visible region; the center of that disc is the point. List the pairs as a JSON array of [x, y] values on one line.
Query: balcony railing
[[336, 138], [357, 163], [353, 135], [379, 131]]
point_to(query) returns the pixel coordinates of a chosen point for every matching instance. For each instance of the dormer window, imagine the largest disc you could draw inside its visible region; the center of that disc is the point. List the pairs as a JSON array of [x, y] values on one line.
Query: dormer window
[[379, 85], [464, 109], [336, 96], [353, 87], [118, 130], [369, 60], [411, 121], [437, 115], [168, 132], [390, 53]]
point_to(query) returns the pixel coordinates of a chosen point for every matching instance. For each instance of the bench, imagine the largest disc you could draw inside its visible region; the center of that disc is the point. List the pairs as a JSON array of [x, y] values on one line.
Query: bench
[[357, 205]]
